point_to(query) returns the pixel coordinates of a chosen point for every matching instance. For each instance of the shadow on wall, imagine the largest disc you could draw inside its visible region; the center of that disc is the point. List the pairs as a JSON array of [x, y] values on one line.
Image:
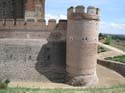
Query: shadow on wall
[[51, 60]]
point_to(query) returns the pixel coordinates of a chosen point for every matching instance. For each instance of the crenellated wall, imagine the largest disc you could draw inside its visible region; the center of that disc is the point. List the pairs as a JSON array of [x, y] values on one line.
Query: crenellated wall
[[32, 47], [31, 24], [31, 29], [79, 13]]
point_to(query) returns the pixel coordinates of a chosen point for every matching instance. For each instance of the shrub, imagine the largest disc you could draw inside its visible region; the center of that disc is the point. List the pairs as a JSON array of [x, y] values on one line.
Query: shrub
[[108, 40], [4, 83]]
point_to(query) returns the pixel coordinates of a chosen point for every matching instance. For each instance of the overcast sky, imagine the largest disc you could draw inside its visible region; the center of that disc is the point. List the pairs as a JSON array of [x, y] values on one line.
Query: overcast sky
[[112, 12]]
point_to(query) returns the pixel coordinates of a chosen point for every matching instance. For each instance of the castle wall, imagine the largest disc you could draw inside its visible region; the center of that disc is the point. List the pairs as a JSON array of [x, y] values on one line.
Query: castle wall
[[31, 29], [32, 51], [82, 42], [116, 66], [33, 60], [32, 24]]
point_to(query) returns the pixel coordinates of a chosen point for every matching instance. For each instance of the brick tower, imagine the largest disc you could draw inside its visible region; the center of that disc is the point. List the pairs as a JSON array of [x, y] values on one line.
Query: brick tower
[[35, 9], [11, 9], [22, 9], [82, 39]]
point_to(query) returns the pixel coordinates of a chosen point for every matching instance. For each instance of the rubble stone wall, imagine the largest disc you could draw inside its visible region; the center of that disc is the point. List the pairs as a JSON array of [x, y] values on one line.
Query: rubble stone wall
[[32, 60]]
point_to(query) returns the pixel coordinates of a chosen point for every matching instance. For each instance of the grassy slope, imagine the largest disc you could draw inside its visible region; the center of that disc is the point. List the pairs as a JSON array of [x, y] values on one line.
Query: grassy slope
[[116, 89], [117, 58], [102, 49]]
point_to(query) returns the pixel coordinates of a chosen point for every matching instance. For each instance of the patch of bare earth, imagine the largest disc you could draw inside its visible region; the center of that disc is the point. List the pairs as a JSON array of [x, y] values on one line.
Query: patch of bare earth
[[107, 78]]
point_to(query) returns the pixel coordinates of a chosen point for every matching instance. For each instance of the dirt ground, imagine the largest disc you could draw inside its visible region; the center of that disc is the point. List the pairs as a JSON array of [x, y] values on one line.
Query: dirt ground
[[107, 78]]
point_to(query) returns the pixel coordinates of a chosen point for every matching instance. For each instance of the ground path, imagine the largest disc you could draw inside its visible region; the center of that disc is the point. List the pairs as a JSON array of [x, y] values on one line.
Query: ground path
[[112, 53], [106, 76], [108, 54]]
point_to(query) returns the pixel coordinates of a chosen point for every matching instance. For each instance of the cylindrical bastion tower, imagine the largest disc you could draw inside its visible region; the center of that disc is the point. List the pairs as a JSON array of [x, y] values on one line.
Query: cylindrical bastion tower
[[82, 43]]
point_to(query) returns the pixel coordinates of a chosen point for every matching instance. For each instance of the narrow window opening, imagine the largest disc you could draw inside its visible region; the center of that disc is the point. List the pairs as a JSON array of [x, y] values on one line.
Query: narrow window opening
[[48, 57], [86, 38], [30, 57]]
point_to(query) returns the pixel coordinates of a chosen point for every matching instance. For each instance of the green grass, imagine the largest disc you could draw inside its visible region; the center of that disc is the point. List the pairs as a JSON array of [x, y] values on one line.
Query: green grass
[[117, 58], [102, 49], [115, 89]]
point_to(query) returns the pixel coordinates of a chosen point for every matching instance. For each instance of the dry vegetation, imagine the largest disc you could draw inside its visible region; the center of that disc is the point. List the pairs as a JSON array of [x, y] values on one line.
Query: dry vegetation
[[119, 44], [115, 89]]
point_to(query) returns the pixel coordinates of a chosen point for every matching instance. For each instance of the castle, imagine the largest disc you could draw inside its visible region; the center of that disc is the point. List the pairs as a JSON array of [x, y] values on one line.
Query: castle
[[32, 51]]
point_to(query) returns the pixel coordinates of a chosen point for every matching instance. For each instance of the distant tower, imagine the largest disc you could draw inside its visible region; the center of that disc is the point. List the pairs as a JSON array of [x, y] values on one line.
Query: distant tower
[[11, 9], [40, 9], [82, 42], [35, 9]]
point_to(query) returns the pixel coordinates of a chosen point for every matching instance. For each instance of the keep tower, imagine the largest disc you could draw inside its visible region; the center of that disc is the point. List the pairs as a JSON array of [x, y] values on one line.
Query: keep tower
[[35, 9], [82, 42], [22, 9]]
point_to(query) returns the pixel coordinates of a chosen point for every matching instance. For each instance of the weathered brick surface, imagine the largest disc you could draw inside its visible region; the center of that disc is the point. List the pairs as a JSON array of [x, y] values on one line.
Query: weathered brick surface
[[35, 9], [55, 35], [29, 6], [11, 9], [116, 66], [22, 9], [32, 25], [32, 60], [82, 39]]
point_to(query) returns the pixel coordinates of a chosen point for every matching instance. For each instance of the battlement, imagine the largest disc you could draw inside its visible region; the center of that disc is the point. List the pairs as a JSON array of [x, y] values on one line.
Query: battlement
[[78, 12], [30, 24]]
